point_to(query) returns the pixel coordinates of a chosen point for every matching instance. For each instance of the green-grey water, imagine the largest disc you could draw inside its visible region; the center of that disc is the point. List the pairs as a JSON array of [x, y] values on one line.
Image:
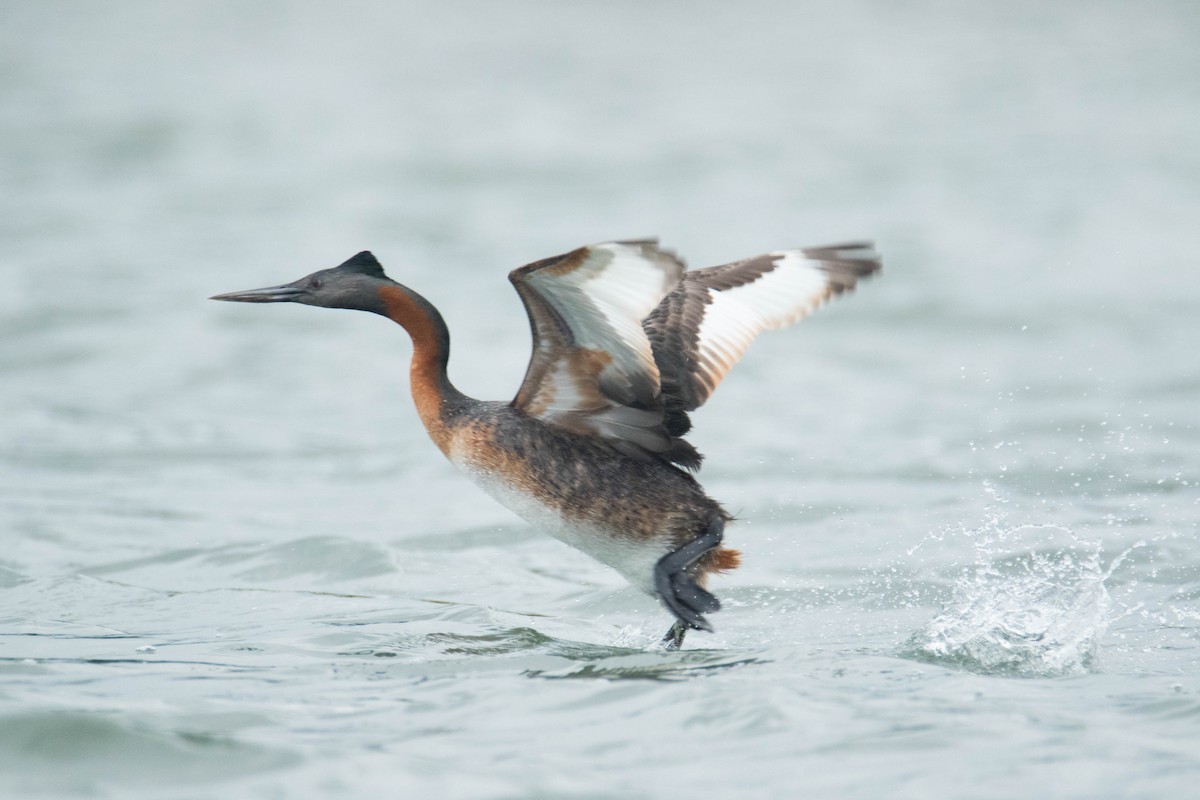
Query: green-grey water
[[233, 565]]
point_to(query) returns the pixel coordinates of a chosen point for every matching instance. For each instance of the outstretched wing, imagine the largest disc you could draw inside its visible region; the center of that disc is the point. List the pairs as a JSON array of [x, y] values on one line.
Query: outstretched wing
[[593, 370], [702, 328]]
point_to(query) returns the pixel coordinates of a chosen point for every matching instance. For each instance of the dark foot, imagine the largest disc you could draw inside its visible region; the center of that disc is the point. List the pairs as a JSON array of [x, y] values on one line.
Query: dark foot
[[680, 592], [674, 638]]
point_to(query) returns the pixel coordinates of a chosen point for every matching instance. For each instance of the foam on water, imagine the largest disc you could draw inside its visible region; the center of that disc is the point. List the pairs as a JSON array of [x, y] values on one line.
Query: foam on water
[[1023, 609]]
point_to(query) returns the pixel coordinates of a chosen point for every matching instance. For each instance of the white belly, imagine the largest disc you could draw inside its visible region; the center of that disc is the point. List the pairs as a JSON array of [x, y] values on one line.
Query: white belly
[[633, 558]]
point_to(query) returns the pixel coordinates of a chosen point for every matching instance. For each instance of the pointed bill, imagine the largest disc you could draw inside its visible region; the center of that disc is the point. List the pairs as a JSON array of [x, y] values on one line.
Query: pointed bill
[[286, 293]]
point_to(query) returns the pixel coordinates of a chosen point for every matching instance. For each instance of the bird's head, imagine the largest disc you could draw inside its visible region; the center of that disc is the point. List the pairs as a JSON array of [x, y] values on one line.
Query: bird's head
[[354, 283]]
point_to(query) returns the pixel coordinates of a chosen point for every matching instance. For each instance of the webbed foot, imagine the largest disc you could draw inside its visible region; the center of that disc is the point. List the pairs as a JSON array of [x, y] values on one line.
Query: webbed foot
[[674, 638], [678, 590]]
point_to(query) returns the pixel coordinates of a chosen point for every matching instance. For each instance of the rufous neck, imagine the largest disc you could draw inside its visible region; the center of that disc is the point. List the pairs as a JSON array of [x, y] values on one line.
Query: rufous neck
[[432, 391]]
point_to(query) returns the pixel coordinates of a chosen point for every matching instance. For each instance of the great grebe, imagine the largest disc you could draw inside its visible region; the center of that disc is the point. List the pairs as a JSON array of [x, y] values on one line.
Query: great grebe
[[625, 344]]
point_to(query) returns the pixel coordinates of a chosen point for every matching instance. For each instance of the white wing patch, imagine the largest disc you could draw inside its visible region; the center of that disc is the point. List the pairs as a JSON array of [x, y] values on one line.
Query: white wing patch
[[603, 303], [705, 325], [735, 316]]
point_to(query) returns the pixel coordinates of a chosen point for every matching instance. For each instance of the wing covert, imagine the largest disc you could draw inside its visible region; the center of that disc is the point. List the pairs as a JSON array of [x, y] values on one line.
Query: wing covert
[[703, 327], [593, 369]]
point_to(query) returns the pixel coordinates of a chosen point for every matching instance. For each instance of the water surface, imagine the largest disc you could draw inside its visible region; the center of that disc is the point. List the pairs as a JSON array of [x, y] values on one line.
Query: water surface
[[234, 565]]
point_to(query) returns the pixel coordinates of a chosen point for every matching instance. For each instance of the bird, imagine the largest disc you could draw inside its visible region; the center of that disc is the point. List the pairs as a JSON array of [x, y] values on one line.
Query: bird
[[627, 343]]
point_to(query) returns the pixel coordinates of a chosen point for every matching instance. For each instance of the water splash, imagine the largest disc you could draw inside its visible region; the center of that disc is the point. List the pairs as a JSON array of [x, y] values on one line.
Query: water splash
[[1024, 608]]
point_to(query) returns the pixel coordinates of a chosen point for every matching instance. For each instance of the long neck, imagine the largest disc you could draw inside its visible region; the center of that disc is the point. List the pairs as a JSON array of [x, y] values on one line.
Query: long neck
[[434, 395]]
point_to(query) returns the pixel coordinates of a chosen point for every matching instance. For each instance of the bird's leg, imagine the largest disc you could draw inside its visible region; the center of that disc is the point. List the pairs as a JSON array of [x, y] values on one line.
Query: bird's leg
[[678, 589]]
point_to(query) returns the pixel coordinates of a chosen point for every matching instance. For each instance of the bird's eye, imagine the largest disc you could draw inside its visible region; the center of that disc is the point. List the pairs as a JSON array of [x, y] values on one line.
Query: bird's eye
[[314, 283]]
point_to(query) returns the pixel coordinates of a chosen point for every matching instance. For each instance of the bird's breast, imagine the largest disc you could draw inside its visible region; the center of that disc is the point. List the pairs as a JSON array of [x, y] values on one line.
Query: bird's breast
[[534, 489]]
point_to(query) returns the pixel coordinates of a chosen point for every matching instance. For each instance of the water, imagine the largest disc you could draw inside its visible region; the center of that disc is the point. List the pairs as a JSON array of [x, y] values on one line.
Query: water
[[234, 566]]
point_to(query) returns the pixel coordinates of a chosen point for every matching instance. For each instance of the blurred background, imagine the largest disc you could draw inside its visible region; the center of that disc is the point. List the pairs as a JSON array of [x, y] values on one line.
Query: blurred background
[[231, 561]]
